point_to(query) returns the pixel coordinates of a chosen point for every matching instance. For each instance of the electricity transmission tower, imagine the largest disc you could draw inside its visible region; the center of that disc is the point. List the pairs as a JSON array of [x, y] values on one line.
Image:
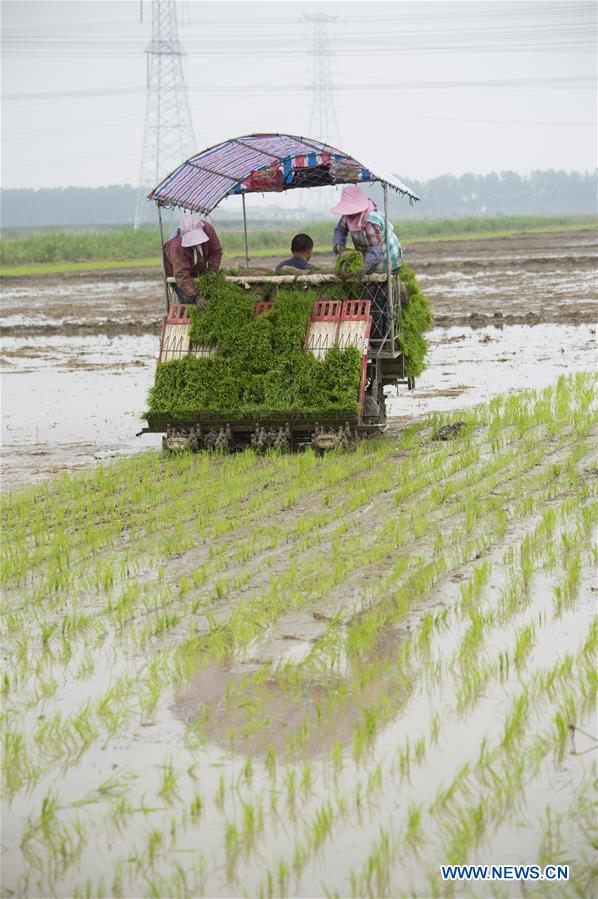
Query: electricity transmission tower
[[323, 124], [168, 137]]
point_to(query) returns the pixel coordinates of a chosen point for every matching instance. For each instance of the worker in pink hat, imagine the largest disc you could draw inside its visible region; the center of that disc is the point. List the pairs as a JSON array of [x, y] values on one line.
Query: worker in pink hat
[[361, 220], [193, 250]]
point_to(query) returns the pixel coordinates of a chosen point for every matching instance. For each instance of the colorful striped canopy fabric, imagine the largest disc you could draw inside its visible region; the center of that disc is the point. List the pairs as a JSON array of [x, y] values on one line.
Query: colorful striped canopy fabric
[[204, 180]]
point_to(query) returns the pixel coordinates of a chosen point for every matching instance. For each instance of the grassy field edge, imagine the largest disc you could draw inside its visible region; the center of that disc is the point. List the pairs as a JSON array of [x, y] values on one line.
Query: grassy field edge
[[46, 268]]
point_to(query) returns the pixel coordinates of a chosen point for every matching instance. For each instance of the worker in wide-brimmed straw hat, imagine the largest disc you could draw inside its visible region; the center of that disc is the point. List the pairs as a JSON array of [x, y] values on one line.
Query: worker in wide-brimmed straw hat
[[361, 220], [192, 250]]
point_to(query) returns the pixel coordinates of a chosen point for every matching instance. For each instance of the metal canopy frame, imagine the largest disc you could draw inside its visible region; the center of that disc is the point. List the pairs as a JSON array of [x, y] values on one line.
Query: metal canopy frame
[[248, 144], [182, 187]]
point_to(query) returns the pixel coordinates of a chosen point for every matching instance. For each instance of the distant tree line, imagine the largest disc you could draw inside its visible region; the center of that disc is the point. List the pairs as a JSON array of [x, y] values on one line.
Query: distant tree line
[[507, 193], [499, 193]]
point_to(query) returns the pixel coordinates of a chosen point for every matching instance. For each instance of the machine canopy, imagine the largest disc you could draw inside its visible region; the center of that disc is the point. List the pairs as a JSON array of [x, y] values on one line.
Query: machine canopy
[[261, 163]]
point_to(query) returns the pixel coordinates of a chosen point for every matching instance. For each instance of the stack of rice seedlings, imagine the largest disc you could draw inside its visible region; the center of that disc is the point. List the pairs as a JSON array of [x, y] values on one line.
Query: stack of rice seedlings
[[260, 362]]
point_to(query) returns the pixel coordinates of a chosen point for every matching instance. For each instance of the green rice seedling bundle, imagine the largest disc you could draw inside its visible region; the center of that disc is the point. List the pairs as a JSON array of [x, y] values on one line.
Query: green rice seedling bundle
[[416, 317], [260, 363], [349, 263]]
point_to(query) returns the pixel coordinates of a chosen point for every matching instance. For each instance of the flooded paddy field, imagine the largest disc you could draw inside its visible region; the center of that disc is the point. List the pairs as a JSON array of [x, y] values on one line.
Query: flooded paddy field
[[293, 675], [303, 676]]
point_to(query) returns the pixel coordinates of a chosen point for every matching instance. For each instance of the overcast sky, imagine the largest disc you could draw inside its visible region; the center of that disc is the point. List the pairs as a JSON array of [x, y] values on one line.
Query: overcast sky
[[451, 86]]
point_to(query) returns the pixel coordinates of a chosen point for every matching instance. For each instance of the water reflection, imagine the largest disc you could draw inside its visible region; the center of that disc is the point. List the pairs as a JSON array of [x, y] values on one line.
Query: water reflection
[[295, 709]]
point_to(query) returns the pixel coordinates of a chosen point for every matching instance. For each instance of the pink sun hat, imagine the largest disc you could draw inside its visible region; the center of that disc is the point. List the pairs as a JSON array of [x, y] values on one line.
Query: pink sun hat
[[192, 232], [352, 201]]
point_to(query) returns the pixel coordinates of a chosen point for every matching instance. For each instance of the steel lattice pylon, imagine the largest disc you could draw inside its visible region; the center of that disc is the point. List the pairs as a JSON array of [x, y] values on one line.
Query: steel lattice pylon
[[168, 137], [323, 123]]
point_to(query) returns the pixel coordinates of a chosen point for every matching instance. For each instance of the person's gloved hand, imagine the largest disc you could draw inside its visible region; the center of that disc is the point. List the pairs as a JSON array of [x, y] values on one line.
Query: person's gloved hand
[[339, 248]]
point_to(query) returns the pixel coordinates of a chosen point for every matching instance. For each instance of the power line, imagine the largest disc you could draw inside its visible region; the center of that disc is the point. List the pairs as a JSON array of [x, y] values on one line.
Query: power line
[[556, 81], [72, 129], [479, 14], [533, 29], [581, 45], [239, 41]]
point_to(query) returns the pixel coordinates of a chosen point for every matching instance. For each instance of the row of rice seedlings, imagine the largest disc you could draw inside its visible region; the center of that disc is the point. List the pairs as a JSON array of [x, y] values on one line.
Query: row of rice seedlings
[[48, 844], [119, 606], [55, 739], [567, 838], [532, 484], [511, 778], [465, 826], [518, 719], [510, 727], [531, 549], [526, 634], [418, 752], [299, 853], [182, 500]]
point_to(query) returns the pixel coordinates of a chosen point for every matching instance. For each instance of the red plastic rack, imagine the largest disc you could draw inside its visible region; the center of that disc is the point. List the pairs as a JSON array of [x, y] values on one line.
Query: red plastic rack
[[335, 313], [263, 306], [178, 314]]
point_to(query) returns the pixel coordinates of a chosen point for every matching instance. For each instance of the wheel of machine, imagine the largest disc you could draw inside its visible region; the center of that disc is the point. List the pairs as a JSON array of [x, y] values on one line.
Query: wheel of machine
[[325, 441], [175, 443], [282, 441], [195, 440], [224, 440], [263, 439]]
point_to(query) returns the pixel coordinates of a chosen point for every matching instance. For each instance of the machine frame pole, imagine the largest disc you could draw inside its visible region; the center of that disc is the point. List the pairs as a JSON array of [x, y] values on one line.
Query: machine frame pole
[[245, 233], [388, 268], [166, 295]]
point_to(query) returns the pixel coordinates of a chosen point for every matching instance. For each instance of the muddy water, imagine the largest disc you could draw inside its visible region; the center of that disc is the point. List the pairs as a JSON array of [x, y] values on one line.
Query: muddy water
[[533, 278], [72, 401], [467, 366], [97, 303]]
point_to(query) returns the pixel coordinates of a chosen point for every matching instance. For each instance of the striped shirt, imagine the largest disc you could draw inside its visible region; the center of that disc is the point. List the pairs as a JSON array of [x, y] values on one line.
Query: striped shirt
[[370, 240], [394, 247]]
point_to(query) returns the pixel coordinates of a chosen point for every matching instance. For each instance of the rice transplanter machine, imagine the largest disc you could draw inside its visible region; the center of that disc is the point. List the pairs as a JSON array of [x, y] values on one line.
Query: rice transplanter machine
[[259, 163]]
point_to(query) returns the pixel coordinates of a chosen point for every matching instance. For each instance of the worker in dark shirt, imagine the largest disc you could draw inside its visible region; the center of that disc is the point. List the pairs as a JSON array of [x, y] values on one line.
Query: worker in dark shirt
[[193, 250], [302, 248]]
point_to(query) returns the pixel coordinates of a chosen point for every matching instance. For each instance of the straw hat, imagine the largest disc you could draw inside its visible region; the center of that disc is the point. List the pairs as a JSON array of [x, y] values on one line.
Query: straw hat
[[352, 201]]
